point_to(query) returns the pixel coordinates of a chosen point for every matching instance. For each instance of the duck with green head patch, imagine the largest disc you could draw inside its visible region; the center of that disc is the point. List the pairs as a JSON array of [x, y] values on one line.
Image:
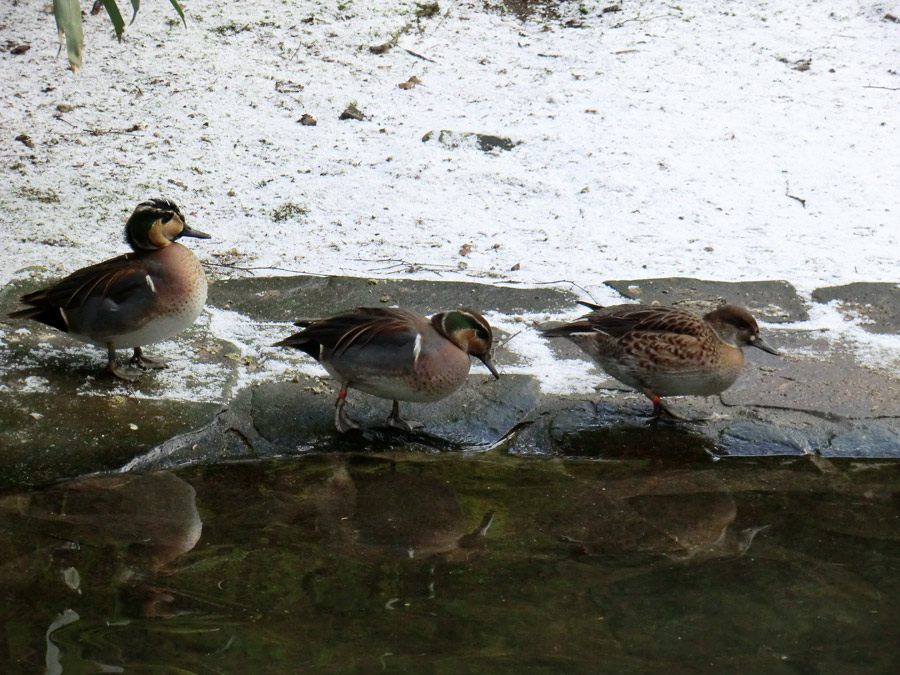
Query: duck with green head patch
[[396, 354], [133, 300]]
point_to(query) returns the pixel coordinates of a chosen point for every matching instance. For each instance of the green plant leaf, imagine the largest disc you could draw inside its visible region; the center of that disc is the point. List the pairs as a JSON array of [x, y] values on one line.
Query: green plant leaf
[[137, 5], [68, 23], [115, 16], [180, 11]]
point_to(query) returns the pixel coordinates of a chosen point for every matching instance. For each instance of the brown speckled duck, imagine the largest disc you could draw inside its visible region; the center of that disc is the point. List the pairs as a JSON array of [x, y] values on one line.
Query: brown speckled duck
[[666, 351], [136, 299], [396, 354]]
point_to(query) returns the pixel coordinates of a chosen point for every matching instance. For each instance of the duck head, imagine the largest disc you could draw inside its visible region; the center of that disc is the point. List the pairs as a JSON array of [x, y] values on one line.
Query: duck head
[[469, 331], [736, 326], [157, 223]]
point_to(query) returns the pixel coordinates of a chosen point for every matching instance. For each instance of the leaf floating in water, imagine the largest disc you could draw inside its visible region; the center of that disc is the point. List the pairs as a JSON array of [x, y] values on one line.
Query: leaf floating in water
[[72, 579]]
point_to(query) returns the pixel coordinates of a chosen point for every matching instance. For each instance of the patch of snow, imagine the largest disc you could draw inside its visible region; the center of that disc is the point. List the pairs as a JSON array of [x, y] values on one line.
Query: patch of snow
[[34, 385], [880, 352], [555, 375], [648, 138]]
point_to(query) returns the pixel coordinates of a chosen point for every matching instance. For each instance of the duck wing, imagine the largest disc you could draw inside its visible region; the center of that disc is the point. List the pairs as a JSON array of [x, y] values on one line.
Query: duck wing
[[367, 341], [112, 294], [619, 320]]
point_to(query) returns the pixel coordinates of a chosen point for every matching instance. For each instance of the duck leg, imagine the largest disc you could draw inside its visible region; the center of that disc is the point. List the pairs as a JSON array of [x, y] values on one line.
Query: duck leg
[[341, 422], [145, 362], [394, 420], [664, 413], [122, 373]]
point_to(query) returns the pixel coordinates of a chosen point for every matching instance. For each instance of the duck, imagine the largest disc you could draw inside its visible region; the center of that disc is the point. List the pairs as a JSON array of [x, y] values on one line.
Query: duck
[[136, 299], [664, 351], [396, 354]]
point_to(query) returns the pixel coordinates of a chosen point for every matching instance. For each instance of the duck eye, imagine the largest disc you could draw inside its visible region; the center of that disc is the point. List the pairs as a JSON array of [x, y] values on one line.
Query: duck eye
[[165, 219]]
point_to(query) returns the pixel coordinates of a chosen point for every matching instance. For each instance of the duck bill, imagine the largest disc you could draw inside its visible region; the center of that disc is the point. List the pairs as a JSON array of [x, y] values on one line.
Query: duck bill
[[759, 343], [191, 232], [489, 362]]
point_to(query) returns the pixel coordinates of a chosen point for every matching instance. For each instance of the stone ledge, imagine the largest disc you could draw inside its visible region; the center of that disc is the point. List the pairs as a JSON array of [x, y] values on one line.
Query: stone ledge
[[305, 297], [771, 301], [879, 303], [817, 399]]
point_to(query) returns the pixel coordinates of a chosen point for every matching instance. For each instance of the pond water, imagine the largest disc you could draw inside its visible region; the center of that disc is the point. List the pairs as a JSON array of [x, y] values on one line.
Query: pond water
[[440, 563]]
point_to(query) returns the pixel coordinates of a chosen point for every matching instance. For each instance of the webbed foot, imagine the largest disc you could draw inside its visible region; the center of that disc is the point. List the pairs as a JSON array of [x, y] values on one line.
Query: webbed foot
[[126, 374], [664, 413], [147, 362], [394, 420]]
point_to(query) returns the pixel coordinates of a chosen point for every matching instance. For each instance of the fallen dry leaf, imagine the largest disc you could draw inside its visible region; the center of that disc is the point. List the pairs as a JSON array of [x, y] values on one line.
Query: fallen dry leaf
[[352, 113], [287, 87], [410, 83], [382, 48]]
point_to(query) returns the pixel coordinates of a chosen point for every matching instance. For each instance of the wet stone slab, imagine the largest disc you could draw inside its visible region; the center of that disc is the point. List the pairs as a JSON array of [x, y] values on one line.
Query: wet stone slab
[[309, 297], [621, 428], [869, 440], [771, 301], [290, 418], [878, 303], [746, 438], [48, 436], [833, 383], [62, 415], [59, 418], [293, 416]]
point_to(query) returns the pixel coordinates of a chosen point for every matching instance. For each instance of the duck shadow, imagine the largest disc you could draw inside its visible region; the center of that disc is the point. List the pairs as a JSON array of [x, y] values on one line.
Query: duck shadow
[[600, 430]]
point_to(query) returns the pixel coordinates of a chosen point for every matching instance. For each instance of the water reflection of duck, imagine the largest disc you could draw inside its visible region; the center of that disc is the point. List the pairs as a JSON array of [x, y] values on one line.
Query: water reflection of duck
[[692, 527], [140, 522], [403, 515]]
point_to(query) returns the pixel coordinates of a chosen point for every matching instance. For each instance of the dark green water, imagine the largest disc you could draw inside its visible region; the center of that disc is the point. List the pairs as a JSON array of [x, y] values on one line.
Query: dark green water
[[382, 564]]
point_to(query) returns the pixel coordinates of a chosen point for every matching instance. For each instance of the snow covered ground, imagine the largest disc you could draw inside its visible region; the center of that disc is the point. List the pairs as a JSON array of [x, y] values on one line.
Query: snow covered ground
[[722, 139]]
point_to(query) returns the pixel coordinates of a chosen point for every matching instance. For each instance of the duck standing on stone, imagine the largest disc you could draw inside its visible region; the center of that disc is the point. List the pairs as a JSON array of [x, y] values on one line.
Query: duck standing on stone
[[666, 351], [396, 354], [133, 300]]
